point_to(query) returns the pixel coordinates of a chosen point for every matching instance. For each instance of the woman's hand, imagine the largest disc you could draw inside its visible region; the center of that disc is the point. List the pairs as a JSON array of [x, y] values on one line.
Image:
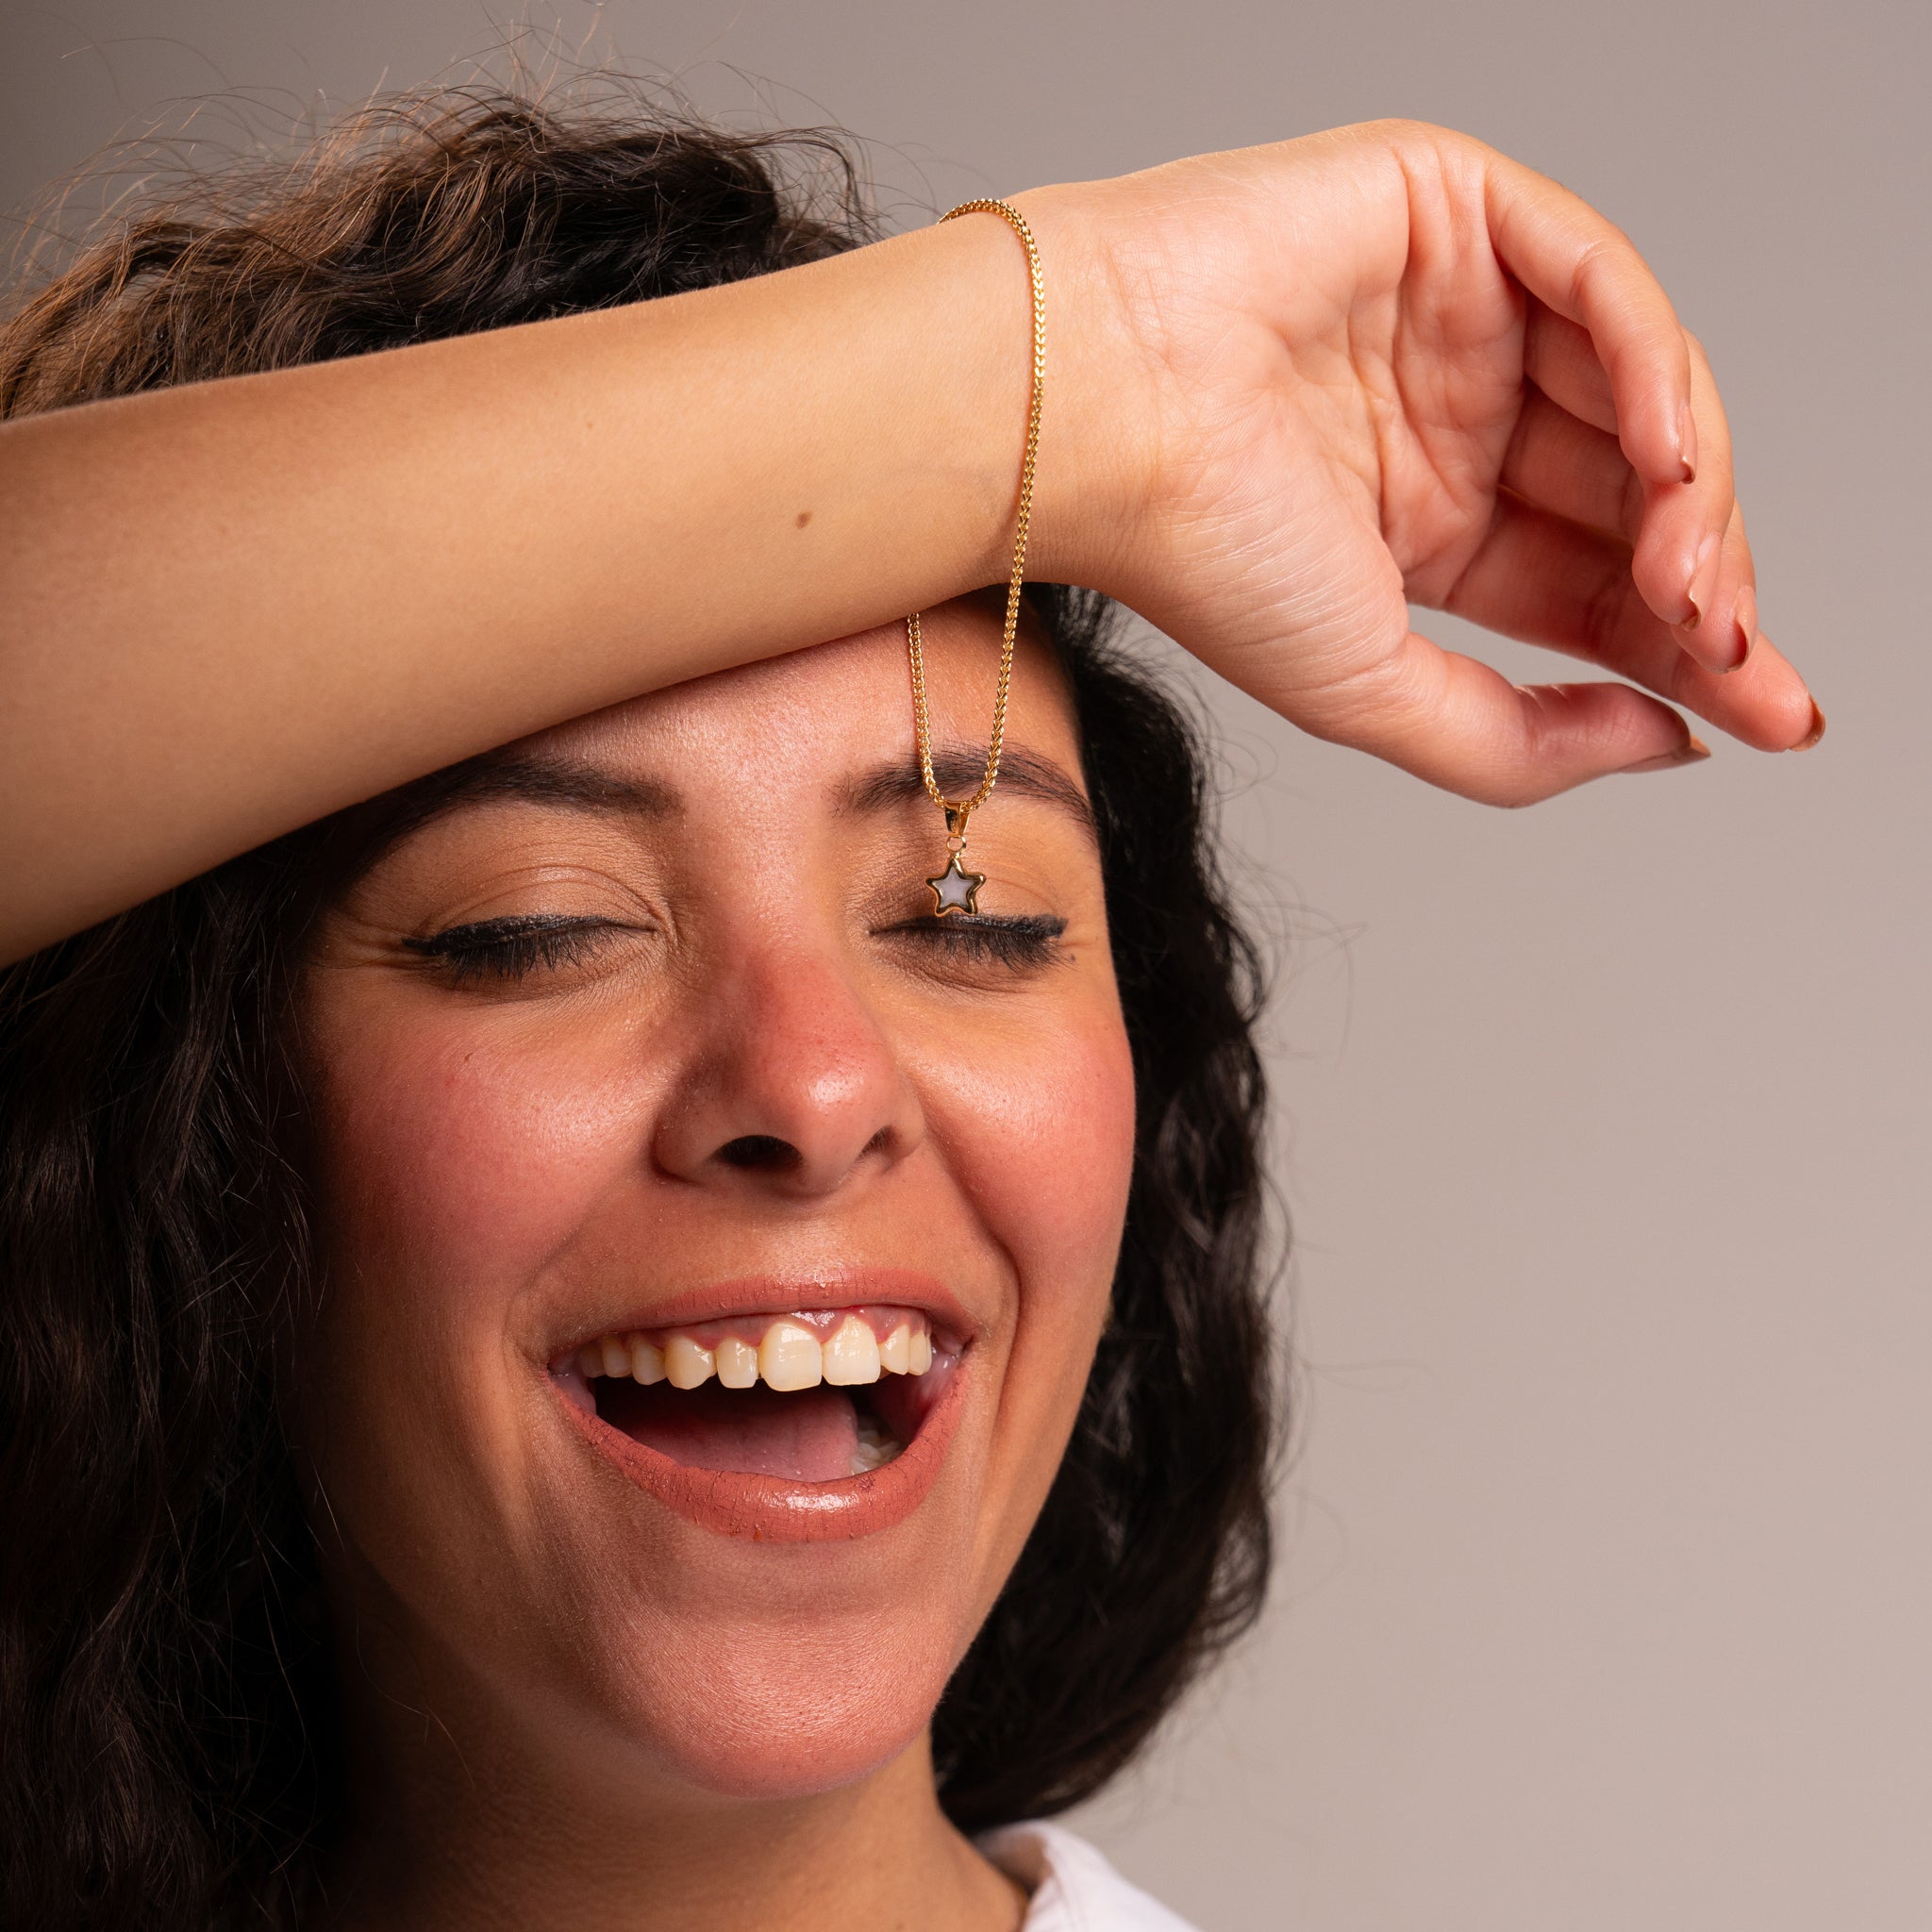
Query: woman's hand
[[1388, 365]]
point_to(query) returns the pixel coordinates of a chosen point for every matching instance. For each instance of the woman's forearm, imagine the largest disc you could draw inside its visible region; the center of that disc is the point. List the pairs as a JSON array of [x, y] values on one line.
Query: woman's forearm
[[233, 607], [1291, 392]]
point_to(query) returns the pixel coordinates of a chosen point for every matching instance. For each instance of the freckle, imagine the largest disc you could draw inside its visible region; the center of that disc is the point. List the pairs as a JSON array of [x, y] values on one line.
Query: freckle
[[803, 518]]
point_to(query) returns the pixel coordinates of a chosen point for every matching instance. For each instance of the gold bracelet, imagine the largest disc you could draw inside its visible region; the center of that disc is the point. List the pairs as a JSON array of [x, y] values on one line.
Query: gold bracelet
[[955, 890]]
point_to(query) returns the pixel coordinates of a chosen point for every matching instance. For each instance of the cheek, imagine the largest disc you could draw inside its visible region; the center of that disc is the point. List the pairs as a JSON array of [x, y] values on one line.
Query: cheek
[[1041, 1138], [1040, 1132], [455, 1159], [461, 1157]]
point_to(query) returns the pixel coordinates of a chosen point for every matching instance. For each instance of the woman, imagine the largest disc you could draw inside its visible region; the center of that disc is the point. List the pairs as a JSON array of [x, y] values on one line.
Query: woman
[[579, 1348]]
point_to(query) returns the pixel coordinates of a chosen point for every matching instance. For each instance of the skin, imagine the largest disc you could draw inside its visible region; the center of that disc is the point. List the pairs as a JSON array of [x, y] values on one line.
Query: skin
[[1293, 391], [568, 1704]]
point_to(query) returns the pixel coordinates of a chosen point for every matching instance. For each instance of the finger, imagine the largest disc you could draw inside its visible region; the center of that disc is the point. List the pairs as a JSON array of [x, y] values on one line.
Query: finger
[[1553, 582], [1689, 564], [1679, 550], [1729, 628], [1571, 469], [1586, 269], [1560, 359], [1461, 725]]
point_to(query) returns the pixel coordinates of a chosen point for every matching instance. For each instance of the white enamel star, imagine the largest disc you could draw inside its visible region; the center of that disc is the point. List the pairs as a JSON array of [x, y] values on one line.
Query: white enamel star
[[955, 890]]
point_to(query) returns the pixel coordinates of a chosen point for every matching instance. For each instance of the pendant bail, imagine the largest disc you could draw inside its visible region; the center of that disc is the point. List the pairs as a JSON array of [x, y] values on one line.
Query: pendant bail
[[956, 816]]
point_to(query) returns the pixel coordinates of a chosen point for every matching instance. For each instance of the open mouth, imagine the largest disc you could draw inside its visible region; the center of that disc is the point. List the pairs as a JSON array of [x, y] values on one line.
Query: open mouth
[[811, 1396]]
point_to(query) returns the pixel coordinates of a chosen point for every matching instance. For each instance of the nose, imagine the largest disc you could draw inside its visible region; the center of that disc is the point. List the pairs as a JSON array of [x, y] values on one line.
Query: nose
[[791, 1086]]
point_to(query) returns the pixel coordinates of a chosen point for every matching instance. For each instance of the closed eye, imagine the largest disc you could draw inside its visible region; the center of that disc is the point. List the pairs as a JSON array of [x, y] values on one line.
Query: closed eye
[[513, 948], [1021, 940]]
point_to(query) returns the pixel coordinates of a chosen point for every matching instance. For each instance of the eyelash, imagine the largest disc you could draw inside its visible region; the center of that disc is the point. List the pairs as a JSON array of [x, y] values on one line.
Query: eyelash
[[1020, 941], [512, 949], [504, 949]]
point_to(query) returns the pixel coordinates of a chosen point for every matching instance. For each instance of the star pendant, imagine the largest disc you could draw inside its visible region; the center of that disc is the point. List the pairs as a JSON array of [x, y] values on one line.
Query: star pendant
[[955, 890]]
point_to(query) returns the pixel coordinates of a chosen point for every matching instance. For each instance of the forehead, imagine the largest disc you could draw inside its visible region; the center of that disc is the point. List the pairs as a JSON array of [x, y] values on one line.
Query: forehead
[[824, 710]]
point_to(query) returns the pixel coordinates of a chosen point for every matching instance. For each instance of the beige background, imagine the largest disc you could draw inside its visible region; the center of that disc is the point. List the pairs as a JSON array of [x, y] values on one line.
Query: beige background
[[1605, 1126]]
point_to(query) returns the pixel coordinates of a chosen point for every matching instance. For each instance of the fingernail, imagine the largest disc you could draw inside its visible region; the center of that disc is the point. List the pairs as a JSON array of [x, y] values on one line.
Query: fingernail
[[1816, 732], [1702, 579], [1686, 442], [1745, 617], [1692, 751]]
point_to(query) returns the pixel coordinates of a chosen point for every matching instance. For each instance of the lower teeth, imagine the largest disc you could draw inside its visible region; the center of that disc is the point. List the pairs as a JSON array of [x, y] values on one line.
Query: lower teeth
[[875, 1446]]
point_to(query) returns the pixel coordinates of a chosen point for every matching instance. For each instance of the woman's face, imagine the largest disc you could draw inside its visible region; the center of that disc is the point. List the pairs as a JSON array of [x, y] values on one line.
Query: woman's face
[[650, 1038]]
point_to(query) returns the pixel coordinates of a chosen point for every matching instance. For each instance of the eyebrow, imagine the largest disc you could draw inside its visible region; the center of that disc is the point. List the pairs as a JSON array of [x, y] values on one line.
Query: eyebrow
[[552, 781], [530, 777], [358, 837], [960, 768]]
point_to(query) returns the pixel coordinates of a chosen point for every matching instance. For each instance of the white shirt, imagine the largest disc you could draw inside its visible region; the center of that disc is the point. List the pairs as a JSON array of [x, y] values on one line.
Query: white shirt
[[1073, 1887]]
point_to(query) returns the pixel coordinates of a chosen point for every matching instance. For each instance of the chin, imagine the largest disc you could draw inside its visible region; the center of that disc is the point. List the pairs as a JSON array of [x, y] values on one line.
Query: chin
[[790, 1723], [759, 1673]]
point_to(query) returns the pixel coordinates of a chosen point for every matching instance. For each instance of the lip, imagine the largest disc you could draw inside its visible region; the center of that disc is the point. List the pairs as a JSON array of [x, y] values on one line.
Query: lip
[[768, 1508], [765, 1294]]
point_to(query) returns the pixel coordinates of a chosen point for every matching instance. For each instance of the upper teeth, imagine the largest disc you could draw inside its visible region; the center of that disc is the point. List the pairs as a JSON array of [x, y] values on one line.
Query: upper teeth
[[788, 1354]]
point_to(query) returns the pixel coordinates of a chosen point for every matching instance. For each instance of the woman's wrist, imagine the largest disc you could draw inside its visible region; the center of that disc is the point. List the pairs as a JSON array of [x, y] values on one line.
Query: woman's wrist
[[966, 363], [1097, 446]]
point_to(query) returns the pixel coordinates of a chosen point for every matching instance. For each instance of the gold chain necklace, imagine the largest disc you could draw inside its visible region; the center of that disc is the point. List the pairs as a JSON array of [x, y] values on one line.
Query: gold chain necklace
[[955, 890]]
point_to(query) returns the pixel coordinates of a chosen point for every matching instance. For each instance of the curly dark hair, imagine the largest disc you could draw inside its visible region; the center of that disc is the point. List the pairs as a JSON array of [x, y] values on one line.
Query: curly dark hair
[[168, 1753]]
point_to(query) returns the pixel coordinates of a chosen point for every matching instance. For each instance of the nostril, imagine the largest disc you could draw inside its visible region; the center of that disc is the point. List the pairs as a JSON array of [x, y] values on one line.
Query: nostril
[[760, 1154]]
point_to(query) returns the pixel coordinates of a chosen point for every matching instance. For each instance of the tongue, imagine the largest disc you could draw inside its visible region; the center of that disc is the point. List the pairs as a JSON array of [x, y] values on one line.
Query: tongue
[[809, 1435]]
